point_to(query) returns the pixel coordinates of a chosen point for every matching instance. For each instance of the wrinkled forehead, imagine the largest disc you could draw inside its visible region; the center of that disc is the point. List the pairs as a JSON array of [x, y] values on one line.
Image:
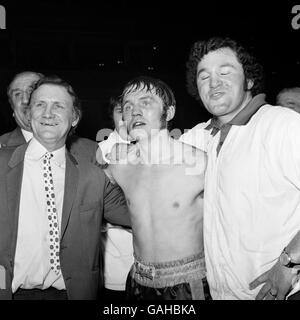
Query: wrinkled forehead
[[24, 81], [291, 94], [52, 92], [218, 58]]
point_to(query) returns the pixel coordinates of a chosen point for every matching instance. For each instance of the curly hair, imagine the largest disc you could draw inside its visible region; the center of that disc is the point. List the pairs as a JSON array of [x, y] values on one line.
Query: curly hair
[[252, 69]]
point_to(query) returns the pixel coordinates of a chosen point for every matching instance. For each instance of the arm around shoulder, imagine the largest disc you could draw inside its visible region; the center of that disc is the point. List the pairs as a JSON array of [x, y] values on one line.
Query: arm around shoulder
[[115, 207], [195, 159]]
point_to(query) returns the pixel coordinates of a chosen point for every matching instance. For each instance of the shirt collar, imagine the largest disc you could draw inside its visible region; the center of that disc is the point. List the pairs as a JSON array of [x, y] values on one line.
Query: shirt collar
[[36, 151], [27, 134], [244, 116]]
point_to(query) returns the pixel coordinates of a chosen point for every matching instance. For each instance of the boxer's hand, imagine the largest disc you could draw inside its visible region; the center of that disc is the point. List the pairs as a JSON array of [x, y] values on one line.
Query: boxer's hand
[[123, 153], [119, 153], [100, 158], [122, 131]]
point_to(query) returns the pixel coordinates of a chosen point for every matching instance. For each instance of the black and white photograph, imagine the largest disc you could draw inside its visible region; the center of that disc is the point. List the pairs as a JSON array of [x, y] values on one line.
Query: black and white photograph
[[149, 153]]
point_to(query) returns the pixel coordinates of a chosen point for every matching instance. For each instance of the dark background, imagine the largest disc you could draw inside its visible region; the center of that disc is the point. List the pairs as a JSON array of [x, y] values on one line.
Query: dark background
[[99, 45]]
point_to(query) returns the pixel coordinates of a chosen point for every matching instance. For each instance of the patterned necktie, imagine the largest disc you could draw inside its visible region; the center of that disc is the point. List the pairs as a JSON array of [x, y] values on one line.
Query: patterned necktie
[[52, 214]]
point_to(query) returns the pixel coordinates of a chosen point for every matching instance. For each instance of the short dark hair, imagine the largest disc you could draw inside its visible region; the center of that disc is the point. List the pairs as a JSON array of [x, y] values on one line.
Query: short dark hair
[[160, 88], [252, 69], [55, 80], [113, 102]]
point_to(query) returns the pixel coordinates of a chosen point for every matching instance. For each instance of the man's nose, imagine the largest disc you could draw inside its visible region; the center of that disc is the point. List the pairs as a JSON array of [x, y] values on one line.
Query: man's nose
[[215, 81], [48, 111], [136, 110], [25, 97]]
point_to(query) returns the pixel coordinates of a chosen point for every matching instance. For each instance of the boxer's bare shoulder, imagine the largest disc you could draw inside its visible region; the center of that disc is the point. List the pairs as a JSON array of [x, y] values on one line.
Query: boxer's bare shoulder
[[190, 156]]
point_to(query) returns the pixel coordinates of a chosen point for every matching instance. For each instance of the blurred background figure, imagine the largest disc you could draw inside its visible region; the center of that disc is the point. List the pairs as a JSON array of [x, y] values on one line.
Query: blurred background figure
[[118, 249], [289, 98], [19, 91]]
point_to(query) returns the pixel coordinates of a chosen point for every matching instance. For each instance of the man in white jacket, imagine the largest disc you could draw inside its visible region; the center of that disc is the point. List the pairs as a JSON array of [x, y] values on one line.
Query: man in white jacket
[[252, 181]]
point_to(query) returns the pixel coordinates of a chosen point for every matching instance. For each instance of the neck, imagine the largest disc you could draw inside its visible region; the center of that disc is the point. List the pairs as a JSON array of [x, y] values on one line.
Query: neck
[[51, 146], [228, 117], [155, 148]]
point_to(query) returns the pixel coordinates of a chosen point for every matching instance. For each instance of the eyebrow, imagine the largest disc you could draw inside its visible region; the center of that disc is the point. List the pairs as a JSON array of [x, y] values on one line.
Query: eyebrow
[[37, 100], [45, 101], [14, 90], [20, 89], [148, 96], [228, 65]]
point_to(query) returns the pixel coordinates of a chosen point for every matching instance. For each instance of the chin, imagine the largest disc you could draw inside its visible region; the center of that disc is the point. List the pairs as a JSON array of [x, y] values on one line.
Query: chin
[[138, 134], [48, 137], [219, 110]]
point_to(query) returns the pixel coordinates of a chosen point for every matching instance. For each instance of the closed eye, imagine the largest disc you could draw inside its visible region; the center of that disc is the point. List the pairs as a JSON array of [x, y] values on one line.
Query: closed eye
[[17, 94], [39, 104], [203, 76], [59, 106], [291, 103], [225, 70]]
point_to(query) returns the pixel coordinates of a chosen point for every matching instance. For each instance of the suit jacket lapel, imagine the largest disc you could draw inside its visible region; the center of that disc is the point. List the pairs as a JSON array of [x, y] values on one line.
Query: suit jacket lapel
[[16, 138], [71, 183], [13, 185]]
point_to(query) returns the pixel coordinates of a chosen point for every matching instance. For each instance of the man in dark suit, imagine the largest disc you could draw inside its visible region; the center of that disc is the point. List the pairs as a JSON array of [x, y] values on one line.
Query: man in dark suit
[[51, 206], [18, 92]]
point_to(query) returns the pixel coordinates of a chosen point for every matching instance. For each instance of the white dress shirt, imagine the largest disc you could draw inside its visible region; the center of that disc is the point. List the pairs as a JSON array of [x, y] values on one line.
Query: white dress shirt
[[32, 266], [118, 254], [27, 134], [118, 257]]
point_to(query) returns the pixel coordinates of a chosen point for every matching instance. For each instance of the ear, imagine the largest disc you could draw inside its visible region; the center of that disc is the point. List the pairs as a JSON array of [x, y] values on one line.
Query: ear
[[170, 113], [75, 119], [250, 84]]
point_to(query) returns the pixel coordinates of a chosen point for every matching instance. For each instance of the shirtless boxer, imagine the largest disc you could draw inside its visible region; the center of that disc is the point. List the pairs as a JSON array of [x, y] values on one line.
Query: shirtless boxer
[[162, 179]]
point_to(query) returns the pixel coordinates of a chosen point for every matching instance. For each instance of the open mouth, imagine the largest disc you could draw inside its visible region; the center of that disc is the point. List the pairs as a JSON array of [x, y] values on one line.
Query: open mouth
[[216, 95], [48, 124], [137, 124]]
